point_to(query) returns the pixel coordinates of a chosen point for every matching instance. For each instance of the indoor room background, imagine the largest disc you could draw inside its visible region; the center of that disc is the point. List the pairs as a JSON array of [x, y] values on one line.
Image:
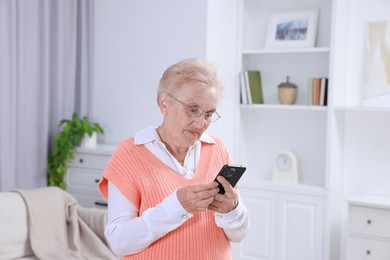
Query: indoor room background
[[104, 59]]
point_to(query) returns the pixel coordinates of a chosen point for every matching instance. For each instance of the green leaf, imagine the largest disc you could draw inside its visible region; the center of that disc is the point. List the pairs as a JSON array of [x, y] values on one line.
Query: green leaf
[[62, 185], [98, 128], [75, 117], [67, 129]]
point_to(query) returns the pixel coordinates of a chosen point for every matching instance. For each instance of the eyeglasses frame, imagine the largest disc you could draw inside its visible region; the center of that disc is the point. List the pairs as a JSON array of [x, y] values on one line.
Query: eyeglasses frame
[[189, 109]]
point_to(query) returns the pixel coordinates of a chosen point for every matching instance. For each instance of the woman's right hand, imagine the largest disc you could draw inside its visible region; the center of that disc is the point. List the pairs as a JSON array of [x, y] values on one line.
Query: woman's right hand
[[197, 197]]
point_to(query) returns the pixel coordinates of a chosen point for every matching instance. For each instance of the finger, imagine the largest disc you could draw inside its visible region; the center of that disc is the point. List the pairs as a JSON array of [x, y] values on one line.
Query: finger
[[212, 207], [215, 204], [220, 198], [204, 186], [205, 194], [226, 185], [204, 204]]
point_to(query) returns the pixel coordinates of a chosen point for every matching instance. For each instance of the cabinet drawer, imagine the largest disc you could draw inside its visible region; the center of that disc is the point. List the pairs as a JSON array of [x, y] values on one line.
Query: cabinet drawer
[[87, 200], [365, 249], [93, 161], [369, 221], [83, 178]]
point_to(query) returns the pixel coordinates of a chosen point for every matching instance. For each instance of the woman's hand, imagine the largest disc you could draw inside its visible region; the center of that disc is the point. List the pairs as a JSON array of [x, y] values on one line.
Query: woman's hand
[[197, 197], [224, 203]]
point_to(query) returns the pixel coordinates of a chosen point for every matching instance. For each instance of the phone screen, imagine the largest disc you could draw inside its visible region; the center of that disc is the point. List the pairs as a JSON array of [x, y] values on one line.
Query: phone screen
[[232, 173]]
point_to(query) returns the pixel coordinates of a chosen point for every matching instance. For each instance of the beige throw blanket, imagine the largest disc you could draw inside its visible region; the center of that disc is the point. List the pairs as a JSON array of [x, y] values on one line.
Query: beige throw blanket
[[61, 229]]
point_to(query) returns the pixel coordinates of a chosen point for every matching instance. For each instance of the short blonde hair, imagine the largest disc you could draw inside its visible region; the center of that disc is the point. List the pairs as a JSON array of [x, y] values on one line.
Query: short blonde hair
[[190, 70]]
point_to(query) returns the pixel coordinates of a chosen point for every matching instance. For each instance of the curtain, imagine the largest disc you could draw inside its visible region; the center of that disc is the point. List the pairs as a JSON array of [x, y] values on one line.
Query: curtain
[[45, 56]]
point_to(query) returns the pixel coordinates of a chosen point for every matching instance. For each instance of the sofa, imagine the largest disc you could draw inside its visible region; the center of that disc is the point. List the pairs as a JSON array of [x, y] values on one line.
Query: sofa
[[48, 223]]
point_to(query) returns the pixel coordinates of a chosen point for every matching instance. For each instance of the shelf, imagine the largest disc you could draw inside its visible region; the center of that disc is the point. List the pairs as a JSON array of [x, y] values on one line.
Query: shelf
[[363, 109], [317, 50], [370, 200], [284, 107]]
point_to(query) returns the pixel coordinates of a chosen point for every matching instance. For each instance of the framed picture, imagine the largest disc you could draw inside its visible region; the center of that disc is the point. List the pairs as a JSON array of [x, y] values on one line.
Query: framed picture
[[292, 28]]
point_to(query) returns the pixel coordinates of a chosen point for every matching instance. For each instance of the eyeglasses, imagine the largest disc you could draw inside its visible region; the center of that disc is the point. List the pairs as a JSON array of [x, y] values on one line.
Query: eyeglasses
[[197, 112]]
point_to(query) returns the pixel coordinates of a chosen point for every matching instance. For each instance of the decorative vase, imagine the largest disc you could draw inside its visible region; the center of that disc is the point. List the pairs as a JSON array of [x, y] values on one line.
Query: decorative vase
[[287, 92], [89, 141]]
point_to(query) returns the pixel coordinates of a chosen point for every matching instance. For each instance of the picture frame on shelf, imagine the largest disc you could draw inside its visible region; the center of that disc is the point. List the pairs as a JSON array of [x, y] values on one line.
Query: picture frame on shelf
[[290, 28]]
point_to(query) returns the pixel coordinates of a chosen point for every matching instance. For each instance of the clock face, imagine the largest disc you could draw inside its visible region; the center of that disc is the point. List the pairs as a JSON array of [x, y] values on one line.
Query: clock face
[[284, 162]]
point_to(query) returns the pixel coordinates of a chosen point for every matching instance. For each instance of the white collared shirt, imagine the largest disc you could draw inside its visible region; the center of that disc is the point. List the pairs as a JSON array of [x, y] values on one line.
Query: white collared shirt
[[128, 234], [150, 138]]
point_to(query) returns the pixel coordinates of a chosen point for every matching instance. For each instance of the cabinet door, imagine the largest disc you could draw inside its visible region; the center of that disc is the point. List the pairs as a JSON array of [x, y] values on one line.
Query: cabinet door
[[301, 223], [260, 241]]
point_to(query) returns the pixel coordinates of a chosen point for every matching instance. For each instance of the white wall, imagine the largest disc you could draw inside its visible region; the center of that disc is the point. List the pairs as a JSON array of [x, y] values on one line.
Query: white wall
[[135, 41], [222, 48]]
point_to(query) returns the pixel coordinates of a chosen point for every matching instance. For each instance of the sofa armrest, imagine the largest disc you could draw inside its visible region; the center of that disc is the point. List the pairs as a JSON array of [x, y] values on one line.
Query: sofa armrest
[[14, 239]]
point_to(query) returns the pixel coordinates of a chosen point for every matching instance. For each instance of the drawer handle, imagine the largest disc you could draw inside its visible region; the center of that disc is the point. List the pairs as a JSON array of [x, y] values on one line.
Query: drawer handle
[[81, 160], [368, 252], [104, 204], [369, 221]]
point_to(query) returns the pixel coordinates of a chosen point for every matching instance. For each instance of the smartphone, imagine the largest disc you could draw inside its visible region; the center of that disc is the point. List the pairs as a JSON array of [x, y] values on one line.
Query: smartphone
[[232, 173]]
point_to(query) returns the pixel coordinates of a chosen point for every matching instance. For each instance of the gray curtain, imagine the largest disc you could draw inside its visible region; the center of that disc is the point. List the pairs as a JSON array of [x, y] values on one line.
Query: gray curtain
[[45, 56]]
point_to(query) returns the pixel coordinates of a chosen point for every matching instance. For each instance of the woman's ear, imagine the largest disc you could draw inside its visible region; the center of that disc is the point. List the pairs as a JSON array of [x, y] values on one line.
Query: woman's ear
[[163, 103]]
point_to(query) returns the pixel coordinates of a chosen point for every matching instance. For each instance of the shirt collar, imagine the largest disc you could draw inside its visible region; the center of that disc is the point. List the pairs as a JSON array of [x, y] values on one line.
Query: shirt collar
[[150, 134]]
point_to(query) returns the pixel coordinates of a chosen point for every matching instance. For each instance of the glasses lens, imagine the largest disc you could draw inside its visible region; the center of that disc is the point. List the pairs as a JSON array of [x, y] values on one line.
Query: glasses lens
[[214, 117], [195, 112]]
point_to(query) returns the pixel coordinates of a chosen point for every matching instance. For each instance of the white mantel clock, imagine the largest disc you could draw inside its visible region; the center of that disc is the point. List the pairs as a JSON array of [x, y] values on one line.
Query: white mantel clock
[[286, 167]]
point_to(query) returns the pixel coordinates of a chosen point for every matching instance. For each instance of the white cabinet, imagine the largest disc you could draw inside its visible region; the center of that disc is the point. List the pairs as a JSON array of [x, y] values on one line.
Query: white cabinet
[[287, 221], [359, 133], [85, 171], [286, 224], [343, 148], [369, 228]]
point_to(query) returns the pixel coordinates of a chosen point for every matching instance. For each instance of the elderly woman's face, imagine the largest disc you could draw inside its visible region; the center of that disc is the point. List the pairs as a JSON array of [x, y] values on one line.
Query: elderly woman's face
[[179, 118]]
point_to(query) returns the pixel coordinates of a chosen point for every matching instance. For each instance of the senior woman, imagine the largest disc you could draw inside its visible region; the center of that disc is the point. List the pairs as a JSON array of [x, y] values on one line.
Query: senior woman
[[163, 202]]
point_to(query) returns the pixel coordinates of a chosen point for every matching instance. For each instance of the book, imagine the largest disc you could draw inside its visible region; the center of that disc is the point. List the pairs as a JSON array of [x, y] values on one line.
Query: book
[[243, 89], [316, 91], [255, 94], [323, 91], [310, 91], [326, 93], [248, 92]]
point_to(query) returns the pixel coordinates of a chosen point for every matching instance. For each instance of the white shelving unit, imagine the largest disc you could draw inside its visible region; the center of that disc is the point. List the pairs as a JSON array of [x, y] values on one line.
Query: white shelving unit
[[359, 144], [289, 218], [343, 148], [277, 127]]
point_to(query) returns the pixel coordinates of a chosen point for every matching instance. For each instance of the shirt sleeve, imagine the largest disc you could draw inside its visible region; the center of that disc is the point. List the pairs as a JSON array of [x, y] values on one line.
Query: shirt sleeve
[[128, 233], [235, 223]]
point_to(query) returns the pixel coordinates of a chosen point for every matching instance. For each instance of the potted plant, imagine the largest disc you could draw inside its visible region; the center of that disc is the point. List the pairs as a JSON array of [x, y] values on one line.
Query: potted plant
[[73, 131]]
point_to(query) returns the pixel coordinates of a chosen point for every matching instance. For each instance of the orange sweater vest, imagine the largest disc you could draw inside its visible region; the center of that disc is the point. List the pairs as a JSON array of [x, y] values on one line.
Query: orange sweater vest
[[146, 181]]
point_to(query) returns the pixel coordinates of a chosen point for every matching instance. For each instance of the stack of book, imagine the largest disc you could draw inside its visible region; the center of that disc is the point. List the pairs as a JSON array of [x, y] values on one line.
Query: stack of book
[[318, 91], [250, 87]]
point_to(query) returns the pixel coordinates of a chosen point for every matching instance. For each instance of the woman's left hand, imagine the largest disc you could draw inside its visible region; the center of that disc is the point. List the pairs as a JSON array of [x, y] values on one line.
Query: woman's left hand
[[224, 203]]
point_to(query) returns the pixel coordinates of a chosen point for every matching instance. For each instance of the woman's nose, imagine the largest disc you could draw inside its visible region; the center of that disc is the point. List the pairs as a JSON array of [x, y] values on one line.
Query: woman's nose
[[201, 121]]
